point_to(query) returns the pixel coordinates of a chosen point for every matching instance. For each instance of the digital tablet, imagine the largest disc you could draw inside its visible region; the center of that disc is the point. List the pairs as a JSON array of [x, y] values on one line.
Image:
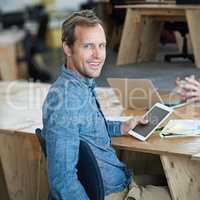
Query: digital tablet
[[155, 116]]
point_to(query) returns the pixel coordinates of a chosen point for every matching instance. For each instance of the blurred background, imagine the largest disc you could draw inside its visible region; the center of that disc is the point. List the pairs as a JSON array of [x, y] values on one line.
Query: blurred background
[[30, 42]]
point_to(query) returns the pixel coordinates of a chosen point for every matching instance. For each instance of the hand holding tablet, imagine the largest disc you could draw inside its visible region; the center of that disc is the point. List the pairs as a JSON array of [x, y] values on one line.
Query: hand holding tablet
[[155, 116], [131, 123]]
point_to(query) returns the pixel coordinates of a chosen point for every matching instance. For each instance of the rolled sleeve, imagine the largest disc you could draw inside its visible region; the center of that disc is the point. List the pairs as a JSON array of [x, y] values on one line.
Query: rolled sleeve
[[114, 128]]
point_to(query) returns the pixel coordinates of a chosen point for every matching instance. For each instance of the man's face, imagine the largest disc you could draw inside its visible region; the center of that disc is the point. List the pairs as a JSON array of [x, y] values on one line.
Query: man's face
[[88, 53]]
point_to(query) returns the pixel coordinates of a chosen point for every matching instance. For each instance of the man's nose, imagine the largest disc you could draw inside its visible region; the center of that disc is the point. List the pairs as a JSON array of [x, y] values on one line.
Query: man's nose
[[96, 52]]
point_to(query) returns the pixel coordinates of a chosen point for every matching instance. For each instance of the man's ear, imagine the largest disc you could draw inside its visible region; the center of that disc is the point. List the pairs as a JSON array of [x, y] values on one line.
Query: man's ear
[[67, 50]]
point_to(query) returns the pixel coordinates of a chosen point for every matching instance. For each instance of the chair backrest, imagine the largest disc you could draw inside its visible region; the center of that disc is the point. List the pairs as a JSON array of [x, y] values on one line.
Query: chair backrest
[[88, 170], [38, 14], [41, 141], [89, 173], [16, 18]]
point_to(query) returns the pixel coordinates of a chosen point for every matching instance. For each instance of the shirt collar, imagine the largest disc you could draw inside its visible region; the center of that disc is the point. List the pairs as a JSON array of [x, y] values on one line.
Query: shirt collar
[[90, 82]]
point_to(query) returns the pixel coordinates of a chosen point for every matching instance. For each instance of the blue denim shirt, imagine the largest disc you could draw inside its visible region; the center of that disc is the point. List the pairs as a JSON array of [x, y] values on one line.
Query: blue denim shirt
[[71, 112]]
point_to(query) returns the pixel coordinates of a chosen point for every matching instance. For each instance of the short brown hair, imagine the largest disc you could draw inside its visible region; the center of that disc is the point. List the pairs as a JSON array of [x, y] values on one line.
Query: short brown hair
[[84, 18]]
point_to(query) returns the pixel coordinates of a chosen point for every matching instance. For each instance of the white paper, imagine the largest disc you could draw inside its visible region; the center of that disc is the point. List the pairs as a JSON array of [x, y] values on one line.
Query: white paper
[[181, 127]]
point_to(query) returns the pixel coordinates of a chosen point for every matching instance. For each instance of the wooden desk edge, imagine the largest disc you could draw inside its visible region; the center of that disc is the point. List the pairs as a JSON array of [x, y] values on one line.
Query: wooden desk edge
[[121, 143], [196, 157], [159, 6]]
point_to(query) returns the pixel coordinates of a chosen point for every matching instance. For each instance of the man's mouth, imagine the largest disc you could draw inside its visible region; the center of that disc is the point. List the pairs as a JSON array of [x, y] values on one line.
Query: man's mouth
[[94, 65]]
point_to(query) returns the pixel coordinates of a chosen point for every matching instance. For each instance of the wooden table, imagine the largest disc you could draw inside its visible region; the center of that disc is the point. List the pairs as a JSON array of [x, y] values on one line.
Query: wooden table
[[10, 42], [23, 165], [21, 160], [143, 23], [179, 156]]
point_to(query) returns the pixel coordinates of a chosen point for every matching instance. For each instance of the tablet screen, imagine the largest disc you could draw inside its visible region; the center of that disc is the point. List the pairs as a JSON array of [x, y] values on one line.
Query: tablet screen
[[154, 117]]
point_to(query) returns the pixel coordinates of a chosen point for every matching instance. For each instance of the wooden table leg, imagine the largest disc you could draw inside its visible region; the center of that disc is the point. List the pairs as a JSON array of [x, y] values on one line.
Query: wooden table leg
[[130, 41], [140, 38], [8, 65], [183, 177], [149, 39], [193, 17]]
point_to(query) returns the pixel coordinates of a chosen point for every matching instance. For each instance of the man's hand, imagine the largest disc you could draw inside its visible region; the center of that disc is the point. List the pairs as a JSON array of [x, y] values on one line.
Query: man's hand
[[130, 124], [189, 89]]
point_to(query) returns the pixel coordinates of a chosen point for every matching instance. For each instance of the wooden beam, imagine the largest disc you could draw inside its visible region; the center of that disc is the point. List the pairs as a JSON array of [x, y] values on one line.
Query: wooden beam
[[128, 51], [149, 39], [193, 17], [161, 12]]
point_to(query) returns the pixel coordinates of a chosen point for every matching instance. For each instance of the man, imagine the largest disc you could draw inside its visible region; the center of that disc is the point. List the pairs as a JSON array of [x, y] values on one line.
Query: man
[[72, 112], [189, 88]]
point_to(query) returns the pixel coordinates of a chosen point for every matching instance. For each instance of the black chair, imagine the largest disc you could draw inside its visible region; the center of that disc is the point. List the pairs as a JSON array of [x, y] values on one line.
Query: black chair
[[16, 18], [36, 44], [88, 171], [34, 70], [38, 14], [117, 17], [183, 29]]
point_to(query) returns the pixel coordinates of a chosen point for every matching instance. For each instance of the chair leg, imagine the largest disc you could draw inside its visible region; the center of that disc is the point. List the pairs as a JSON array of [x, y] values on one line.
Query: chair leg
[[183, 54], [191, 57], [184, 48]]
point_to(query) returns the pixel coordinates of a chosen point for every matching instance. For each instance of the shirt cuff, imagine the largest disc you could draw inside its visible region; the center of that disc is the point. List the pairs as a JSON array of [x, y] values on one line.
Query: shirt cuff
[[114, 128]]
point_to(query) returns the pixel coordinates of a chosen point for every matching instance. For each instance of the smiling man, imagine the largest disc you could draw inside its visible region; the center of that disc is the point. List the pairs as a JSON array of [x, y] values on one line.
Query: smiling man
[[88, 53], [72, 112]]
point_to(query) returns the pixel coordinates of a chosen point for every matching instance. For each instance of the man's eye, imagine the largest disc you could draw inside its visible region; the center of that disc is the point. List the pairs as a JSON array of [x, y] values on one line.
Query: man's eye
[[86, 46], [102, 45]]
